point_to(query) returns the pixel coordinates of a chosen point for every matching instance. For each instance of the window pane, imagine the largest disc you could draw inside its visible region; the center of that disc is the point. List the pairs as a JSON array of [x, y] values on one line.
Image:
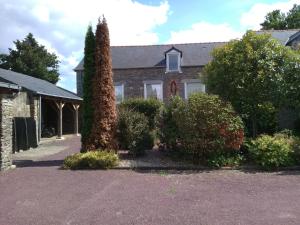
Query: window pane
[[194, 87], [154, 91], [173, 62], [119, 93]]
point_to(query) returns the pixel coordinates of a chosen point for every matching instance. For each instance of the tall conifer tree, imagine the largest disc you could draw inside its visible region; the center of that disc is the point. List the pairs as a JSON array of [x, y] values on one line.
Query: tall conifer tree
[[104, 117], [89, 72]]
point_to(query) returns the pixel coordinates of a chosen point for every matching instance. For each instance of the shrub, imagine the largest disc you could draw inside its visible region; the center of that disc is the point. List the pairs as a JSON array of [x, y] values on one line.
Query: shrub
[[149, 107], [267, 118], [168, 129], [271, 151], [133, 131], [204, 125], [91, 160], [225, 159], [295, 143]]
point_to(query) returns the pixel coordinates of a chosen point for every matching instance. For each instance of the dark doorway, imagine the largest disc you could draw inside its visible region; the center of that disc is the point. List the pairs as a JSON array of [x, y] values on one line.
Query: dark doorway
[[68, 119], [49, 118]]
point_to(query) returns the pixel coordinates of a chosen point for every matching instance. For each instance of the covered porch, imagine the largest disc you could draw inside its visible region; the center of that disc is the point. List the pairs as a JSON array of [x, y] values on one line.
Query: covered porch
[[59, 117]]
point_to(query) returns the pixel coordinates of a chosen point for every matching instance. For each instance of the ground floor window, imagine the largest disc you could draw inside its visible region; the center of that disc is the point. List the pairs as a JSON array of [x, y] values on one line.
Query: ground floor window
[[119, 93], [153, 89], [193, 86]]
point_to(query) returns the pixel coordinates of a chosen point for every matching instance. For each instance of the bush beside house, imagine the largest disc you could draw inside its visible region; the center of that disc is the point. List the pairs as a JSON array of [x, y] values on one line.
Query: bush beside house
[[272, 152], [202, 127], [133, 131]]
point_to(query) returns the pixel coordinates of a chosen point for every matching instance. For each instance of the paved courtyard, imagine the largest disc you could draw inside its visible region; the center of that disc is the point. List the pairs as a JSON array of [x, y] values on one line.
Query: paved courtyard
[[38, 192]]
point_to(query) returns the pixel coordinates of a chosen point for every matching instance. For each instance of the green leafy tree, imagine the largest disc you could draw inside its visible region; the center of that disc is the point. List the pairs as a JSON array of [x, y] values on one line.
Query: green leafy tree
[[293, 18], [104, 116], [254, 72], [274, 20], [32, 59], [277, 20], [89, 72]]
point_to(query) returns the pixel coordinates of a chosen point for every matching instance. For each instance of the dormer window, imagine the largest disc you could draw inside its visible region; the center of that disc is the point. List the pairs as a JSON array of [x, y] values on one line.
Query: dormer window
[[173, 64], [173, 60]]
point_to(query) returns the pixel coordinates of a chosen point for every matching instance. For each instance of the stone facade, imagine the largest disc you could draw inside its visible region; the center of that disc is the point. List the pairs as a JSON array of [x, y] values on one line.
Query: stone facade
[[79, 83], [133, 80], [25, 104], [21, 104], [6, 130]]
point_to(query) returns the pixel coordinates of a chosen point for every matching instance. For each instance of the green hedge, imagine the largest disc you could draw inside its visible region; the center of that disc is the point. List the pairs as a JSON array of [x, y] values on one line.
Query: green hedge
[[149, 107], [133, 132], [91, 160]]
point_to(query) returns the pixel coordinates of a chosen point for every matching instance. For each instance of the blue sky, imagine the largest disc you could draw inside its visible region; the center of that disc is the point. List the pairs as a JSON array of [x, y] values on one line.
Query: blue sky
[[60, 25]]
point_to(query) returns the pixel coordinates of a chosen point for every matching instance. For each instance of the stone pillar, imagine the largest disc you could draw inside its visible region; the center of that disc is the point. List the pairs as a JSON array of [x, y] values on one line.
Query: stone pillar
[[60, 105], [6, 131], [34, 113], [76, 107]]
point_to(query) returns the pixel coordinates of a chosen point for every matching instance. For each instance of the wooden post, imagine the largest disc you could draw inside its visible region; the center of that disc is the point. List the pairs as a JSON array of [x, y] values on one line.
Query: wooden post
[[60, 106], [76, 107]]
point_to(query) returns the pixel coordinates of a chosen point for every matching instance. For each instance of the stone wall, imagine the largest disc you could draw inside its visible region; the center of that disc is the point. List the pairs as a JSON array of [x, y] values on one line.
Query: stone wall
[[35, 111], [25, 104], [133, 80], [79, 83], [6, 130], [21, 104]]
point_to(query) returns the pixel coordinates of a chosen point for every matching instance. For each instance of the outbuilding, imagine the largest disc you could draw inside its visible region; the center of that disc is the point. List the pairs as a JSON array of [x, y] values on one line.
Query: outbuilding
[[31, 108]]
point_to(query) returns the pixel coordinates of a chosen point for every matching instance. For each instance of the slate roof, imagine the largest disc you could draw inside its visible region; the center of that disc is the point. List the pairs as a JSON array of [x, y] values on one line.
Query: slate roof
[[38, 86], [284, 36], [193, 54]]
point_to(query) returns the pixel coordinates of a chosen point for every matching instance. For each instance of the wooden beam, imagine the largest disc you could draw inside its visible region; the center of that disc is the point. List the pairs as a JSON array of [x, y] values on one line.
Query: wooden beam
[[76, 107], [60, 106]]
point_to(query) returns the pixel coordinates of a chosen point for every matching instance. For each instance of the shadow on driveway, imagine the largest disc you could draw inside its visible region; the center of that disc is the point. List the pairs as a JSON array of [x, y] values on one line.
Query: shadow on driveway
[[31, 163]]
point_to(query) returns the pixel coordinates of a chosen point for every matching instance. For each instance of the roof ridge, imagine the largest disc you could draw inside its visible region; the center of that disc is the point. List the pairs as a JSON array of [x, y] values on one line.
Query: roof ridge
[[281, 30], [32, 77], [171, 44]]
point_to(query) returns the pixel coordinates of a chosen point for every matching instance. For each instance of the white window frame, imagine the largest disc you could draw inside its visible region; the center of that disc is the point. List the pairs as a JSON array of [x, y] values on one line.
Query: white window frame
[[122, 91], [188, 81], [153, 82], [173, 52]]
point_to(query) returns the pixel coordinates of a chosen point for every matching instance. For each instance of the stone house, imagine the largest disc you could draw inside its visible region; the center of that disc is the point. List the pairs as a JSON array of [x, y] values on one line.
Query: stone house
[[163, 70], [23, 96], [156, 70]]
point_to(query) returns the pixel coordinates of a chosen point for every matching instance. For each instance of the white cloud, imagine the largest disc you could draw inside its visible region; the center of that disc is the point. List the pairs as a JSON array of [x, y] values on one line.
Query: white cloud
[[205, 32], [256, 15], [41, 13], [61, 26]]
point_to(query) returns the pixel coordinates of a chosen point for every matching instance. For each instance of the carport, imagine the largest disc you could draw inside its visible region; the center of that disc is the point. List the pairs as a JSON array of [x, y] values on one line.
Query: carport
[[26, 100], [60, 115]]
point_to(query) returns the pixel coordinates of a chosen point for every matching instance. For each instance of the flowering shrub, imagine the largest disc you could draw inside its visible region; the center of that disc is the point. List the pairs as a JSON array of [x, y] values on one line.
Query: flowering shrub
[[205, 125]]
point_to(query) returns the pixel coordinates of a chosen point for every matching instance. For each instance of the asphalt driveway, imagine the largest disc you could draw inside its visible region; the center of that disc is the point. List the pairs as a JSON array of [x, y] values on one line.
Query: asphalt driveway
[[38, 192]]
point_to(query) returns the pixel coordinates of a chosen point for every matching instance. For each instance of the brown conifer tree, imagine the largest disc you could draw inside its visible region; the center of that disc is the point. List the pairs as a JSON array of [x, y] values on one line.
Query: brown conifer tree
[[105, 116]]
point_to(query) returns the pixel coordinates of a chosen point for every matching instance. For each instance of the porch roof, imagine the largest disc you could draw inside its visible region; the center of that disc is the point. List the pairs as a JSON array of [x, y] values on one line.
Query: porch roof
[[35, 85]]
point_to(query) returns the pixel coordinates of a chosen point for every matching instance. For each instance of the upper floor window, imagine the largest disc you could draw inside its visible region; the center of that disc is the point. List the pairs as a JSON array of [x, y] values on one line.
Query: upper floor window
[[119, 93], [173, 60]]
